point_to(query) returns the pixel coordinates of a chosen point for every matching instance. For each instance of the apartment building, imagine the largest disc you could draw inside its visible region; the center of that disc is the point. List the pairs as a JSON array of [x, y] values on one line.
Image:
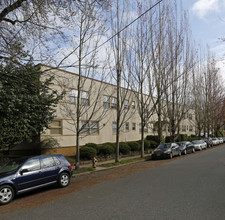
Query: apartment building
[[97, 113]]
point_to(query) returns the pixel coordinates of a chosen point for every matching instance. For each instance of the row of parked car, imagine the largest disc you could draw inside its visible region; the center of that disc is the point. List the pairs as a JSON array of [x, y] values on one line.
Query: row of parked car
[[169, 150]]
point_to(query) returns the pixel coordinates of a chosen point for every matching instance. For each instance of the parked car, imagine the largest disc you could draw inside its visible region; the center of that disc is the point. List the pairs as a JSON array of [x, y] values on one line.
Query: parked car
[[220, 140], [208, 141], [215, 141], [20, 175], [168, 150], [199, 144], [186, 147], [223, 139]]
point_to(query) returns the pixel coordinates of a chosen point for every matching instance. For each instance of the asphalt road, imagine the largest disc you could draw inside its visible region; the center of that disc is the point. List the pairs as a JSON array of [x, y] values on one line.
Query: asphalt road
[[192, 187]]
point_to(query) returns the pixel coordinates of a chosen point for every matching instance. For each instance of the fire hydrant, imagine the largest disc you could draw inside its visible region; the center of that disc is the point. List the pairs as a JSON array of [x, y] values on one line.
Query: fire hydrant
[[94, 162]]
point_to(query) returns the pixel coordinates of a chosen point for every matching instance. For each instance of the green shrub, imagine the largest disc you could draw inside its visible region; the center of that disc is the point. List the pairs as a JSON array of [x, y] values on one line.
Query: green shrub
[[153, 144], [147, 144], [182, 137], [87, 153], [111, 144], [192, 138], [93, 145], [168, 139], [134, 146], [105, 150], [152, 138], [155, 138], [124, 148]]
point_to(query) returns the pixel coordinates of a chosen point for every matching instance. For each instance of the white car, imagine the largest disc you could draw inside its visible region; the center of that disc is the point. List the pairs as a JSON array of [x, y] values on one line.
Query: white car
[[199, 144], [215, 141], [220, 140]]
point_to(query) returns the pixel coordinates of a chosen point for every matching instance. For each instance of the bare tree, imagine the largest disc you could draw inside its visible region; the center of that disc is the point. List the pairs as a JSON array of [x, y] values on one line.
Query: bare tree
[[119, 19], [83, 104], [160, 62], [139, 62], [178, 72]]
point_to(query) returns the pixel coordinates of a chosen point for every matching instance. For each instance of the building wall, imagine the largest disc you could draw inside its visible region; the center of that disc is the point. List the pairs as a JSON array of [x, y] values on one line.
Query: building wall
[[65, 113]]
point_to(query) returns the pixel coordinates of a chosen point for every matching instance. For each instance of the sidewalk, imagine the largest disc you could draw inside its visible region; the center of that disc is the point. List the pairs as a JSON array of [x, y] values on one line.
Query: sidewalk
[[99, 163]]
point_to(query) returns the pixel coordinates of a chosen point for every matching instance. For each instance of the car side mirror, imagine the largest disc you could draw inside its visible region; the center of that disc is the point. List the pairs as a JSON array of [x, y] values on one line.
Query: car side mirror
[[23, 171]]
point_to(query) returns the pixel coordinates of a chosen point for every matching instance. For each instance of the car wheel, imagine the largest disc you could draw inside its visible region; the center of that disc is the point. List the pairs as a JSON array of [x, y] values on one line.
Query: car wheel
[[171, 155], [6, 194], [179, 153], [193, 150], [185, 152], [64, 179]]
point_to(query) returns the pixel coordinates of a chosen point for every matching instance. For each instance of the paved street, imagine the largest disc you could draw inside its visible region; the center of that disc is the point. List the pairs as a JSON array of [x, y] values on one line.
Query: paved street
[[190, 187]]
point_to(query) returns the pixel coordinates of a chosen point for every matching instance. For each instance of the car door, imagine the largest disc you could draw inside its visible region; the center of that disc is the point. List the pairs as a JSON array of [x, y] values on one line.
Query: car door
[[29, 175], [50, 169]]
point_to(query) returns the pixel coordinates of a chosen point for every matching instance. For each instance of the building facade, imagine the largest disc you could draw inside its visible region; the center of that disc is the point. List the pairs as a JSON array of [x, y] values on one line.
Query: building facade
[[97, 109]]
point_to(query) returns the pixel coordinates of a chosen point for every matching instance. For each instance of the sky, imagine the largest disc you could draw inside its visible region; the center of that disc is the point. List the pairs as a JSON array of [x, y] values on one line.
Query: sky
[[207, 22]]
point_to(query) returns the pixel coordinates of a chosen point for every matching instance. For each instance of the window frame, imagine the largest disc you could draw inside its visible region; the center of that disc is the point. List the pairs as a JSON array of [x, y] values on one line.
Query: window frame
[[106, 101], [114, 127], [89, 128], [60, 127], [133, 126]]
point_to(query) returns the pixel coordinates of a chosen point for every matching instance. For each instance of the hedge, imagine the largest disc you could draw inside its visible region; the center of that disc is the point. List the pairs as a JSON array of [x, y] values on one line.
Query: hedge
[[87, 153], [106, 150], [153, 144], [93, 145], [134, 146], [124, 148]]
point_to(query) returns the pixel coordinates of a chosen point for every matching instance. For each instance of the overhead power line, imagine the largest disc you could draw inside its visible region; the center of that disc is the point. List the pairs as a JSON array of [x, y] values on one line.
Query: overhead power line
[[125, 27]]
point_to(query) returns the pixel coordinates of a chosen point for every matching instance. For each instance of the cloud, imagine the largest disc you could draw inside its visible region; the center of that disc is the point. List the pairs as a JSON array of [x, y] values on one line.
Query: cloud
[[202, 7]]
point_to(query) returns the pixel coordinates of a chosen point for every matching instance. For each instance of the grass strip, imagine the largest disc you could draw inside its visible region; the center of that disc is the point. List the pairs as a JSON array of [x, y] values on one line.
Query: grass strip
[[121, 162]]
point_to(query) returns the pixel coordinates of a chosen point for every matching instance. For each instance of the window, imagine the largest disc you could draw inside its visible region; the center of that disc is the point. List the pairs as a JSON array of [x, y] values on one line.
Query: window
[[133, 126], [106, 103], [94, 127], [84, 98], [90, 128], [183, 128], [127, 126], [145, 128], [190, 116], [84, 127], [73, 96], [133, 104], [126, 104], [48, 162], [114, 126], [57, 161], [113, 102], [32, 165], [56, 127], [190, 128]]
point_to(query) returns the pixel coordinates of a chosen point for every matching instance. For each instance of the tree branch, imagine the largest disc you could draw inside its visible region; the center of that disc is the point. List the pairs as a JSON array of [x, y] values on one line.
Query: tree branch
[[9, 9]]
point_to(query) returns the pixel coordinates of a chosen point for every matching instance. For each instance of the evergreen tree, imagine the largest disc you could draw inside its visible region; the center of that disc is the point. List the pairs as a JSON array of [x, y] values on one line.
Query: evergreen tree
[[27, 105]]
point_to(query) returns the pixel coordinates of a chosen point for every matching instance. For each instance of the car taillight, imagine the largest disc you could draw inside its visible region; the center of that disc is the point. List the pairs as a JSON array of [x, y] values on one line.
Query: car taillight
[[70, 166]]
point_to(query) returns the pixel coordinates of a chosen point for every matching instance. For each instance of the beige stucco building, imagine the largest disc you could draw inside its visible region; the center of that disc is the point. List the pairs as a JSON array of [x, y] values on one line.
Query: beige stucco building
[[97, 113]]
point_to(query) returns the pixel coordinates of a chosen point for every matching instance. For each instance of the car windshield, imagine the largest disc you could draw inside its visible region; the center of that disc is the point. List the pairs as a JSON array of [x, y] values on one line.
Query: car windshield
[[10, 165], [164, 146], [196, 142], [181, 144]]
